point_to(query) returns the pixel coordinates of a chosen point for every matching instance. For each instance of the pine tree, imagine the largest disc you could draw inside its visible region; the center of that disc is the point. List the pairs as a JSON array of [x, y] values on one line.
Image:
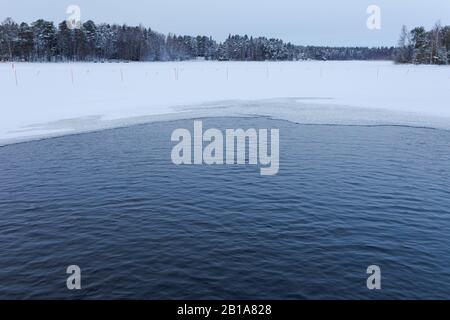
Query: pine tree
[[44, 39], [65, 45], [9, 38], [25, 42], [420, 41], [90, 38]]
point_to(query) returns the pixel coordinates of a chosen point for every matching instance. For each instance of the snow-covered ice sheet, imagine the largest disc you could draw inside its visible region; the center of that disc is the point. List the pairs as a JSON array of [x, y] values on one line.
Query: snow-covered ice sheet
[[50, 99]]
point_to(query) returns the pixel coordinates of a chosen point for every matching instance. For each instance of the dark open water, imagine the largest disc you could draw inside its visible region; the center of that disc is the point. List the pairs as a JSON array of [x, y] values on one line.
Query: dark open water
[[140, 227]]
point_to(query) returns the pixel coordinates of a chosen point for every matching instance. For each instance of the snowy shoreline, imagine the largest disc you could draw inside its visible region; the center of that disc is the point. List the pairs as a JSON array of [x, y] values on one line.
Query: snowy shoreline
[[57, 99]]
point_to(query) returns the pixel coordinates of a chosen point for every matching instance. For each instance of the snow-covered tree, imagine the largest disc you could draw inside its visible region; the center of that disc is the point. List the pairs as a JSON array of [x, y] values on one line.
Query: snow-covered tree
[[44, 40], [404, 52], [9, 38], [421, 44]]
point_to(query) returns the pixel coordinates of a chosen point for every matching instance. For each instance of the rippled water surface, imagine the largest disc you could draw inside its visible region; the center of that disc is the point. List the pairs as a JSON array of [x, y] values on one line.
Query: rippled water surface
[[346, 197]]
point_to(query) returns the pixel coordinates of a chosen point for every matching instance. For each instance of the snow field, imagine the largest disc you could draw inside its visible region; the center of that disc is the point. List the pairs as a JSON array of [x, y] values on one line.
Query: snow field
[[58, 98]]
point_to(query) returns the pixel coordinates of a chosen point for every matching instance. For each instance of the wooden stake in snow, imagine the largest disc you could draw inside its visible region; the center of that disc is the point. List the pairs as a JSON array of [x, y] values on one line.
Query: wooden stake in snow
[[15, 76], [71, 75], [121, 74]]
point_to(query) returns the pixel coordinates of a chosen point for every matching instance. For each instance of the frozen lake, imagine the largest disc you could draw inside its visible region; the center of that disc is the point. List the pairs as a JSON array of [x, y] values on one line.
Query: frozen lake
[[56, 99]]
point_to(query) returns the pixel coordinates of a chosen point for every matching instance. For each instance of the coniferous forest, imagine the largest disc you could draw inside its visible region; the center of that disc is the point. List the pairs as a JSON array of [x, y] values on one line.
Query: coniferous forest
[[44, 41], [420, 46]]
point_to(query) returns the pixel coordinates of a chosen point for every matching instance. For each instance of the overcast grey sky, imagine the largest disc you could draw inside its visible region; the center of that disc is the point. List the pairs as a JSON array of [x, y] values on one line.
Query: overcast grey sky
[[315, 22]]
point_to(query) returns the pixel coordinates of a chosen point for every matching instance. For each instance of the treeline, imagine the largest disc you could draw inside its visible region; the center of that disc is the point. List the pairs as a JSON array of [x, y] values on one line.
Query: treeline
[[420, 46], [43, 41]]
